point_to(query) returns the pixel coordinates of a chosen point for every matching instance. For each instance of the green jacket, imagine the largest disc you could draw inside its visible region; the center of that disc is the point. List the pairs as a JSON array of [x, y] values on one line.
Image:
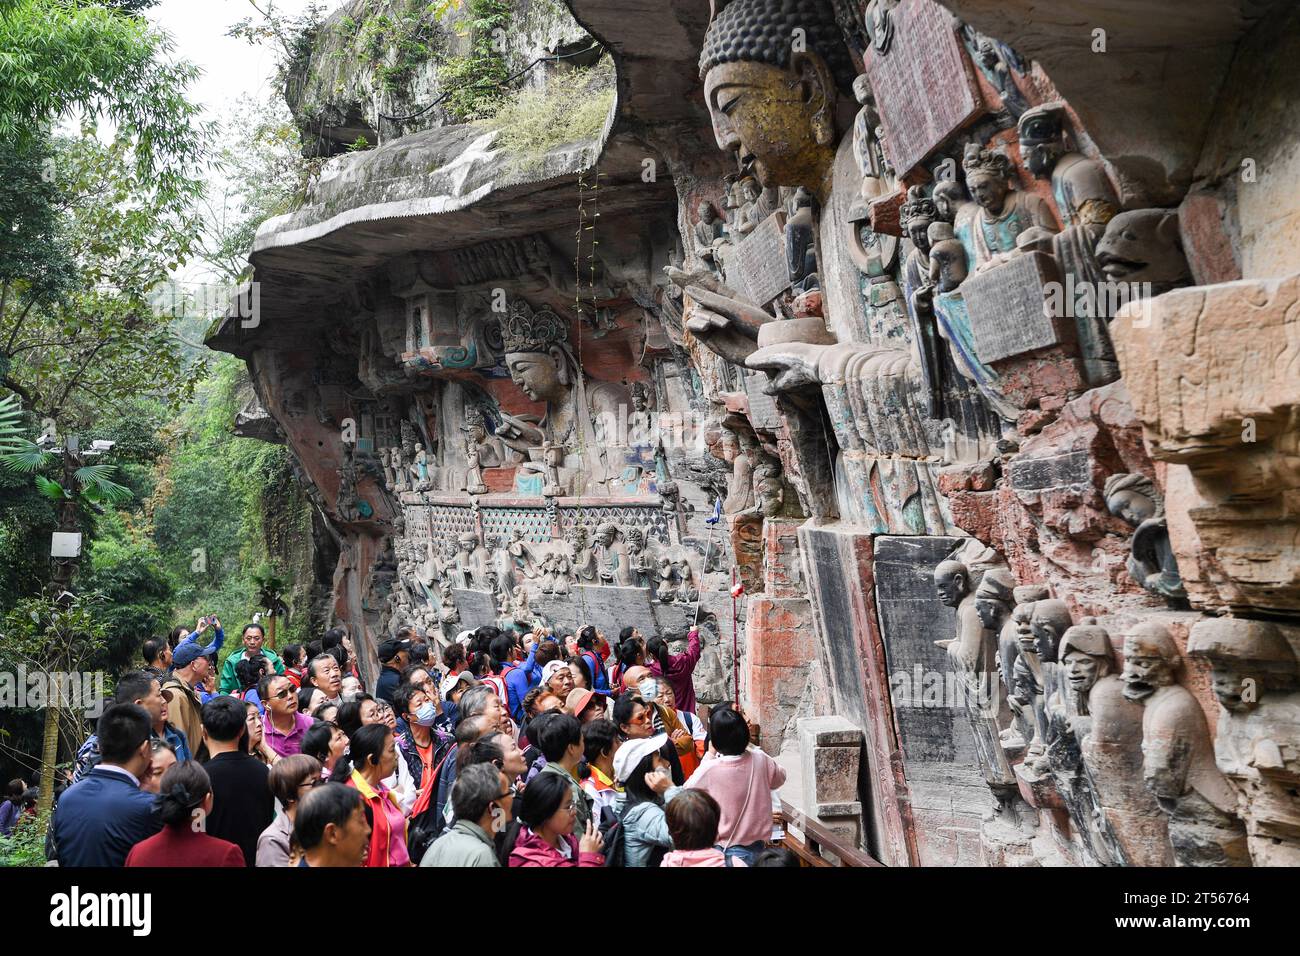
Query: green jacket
[[229, 682], [580, 799], [465, 844]]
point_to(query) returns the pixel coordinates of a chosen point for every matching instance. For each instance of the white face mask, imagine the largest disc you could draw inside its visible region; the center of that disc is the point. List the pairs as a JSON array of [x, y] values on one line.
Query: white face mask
[[426, 714]]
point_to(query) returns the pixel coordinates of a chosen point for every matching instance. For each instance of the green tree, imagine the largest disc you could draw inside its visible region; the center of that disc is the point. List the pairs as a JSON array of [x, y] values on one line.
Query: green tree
[[95, 60]]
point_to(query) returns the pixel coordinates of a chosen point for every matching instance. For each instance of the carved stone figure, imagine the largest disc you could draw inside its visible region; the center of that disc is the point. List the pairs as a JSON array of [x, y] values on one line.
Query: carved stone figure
[[1143, 248], [1257, 744], [541, 363], [686, 590], [1049, 621], [584, 559], [800, 243], [667, 590], [1086, 656], [1151, 561], [1015, 641], [614, 565], [553, 456], [917, 214], [419, 469], [1177, 755], [740, 489], [708, 230], [1086, 201], [948, 269], [988, 228], [769, 493]]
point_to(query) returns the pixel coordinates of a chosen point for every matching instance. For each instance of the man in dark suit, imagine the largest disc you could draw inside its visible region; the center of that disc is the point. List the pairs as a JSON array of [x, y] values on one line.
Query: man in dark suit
[[242, 804], [101, 817]]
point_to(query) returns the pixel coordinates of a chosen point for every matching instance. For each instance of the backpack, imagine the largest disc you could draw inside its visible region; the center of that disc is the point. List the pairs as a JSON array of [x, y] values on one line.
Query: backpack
[[427, 827], [611, 834], [498, 683]]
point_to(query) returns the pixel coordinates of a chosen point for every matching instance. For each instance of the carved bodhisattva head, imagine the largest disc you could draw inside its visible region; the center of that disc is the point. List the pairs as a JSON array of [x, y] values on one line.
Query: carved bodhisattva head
[[951, 582], [917, 214], [771, 71], [536, 347], [1151, 660], [988, 177]]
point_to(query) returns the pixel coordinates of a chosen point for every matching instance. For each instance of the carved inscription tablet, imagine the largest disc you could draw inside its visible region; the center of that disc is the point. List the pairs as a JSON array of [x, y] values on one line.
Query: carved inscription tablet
[[922, 86]]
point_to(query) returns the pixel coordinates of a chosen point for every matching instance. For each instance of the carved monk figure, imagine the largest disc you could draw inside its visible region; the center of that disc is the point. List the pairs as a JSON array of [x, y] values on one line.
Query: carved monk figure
[[1255, 678], [740, 489], [1086, 657], [1017, 679], [615, 567], [988, 228], [972, 653], [584, 559], [1048, 622], [1178, 757]]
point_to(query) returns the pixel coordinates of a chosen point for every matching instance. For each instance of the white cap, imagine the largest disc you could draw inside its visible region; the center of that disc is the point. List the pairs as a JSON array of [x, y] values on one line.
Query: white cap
[[632, 752], [551, 669], [451, 680]]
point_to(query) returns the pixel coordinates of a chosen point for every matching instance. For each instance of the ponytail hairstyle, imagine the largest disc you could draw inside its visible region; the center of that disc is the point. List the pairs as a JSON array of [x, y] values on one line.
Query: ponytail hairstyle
[[540, 801], [586, 639], [182, 790], [628, 651], [657, 648], [365, 747]]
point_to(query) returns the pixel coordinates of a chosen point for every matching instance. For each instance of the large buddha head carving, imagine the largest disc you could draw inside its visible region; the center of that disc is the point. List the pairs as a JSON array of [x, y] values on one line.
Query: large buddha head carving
[[537, 355], [771, 71]]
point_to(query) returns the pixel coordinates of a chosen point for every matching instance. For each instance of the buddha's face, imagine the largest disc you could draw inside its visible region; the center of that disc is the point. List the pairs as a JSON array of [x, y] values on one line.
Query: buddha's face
[[539, 375], [765, 115], [989, 191]]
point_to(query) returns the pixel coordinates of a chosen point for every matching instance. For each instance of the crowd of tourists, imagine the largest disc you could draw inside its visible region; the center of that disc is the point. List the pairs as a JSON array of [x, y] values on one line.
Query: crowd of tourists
[[509, 749]]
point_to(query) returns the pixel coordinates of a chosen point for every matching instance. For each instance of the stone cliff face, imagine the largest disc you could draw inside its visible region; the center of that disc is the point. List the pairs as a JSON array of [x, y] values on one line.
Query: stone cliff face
[[953, 341]]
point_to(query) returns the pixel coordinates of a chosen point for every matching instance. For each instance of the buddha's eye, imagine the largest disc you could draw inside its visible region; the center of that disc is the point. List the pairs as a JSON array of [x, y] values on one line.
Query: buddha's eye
[[727, 103]]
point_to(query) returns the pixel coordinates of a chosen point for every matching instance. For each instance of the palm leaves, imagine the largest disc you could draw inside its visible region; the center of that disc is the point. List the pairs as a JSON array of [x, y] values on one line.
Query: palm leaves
[[11, 413], [23, 457]]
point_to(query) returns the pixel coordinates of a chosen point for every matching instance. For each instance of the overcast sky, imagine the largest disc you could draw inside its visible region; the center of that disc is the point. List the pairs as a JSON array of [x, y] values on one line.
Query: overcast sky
[[231, 67]]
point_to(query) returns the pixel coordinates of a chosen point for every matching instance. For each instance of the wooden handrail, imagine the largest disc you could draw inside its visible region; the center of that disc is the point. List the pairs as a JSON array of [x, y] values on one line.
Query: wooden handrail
[[816, 838]]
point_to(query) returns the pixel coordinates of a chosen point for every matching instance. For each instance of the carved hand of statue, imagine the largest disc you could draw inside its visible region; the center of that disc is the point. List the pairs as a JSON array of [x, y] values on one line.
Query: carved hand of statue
[[725, 323], [515, 431], [792, 364]]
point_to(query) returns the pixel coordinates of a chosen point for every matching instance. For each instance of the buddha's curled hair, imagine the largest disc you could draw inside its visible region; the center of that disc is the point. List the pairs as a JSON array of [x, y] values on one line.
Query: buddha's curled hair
[[763, 31]]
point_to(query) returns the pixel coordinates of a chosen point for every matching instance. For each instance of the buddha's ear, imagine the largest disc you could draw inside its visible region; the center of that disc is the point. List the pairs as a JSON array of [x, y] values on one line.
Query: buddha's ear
[[817, 89], [561, 365]]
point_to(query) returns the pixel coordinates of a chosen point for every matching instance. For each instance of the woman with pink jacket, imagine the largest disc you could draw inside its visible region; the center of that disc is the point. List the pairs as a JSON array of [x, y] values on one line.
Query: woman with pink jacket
[[741, 779], [543, 833], [677, 669]]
